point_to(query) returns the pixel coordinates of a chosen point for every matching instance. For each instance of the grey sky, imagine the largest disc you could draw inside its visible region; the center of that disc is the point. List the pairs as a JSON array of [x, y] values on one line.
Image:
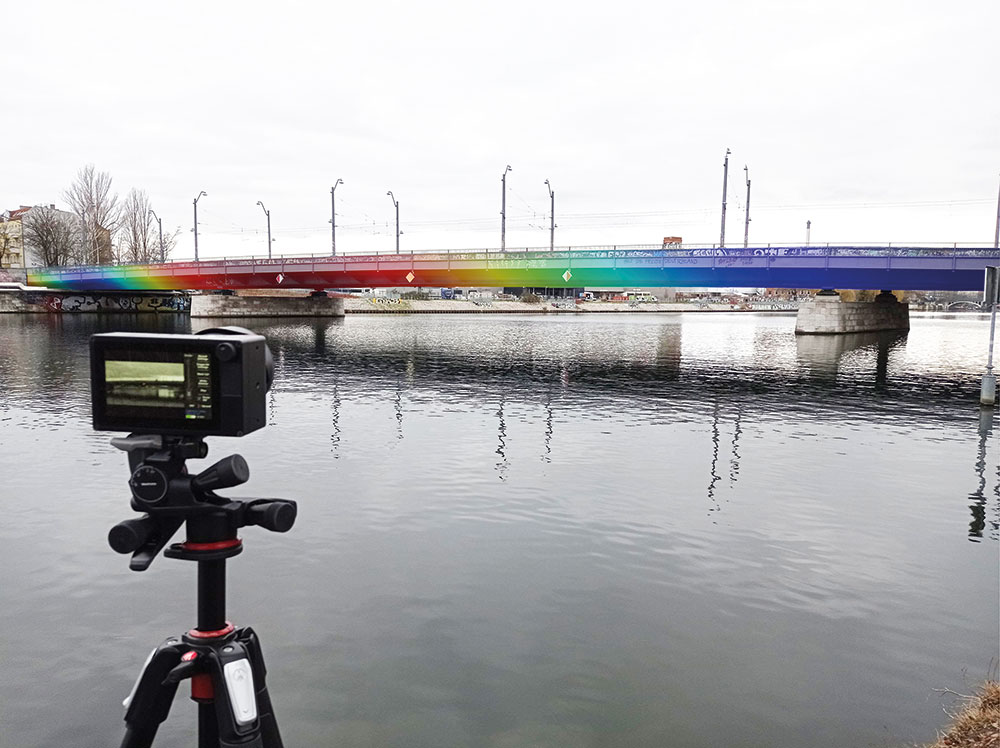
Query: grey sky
[[879, 121]]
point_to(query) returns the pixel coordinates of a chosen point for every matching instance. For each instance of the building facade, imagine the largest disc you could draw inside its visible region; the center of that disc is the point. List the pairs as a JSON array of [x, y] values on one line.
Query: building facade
[[16, 251]]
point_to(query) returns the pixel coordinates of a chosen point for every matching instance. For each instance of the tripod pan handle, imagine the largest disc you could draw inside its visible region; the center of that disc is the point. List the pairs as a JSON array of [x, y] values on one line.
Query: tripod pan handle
[[127, 536], [226, 473]]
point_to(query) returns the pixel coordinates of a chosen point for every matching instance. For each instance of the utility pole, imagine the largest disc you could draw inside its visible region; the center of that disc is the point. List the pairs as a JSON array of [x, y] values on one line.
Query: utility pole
[[333, 217], [200, 195], [552, 224], [268, 214], [746, 224], [725, 183], [163, 256], [396, 203], [503, 210]]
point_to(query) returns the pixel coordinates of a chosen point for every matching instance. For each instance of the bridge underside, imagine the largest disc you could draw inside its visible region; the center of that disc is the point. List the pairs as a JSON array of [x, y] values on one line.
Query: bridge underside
[[788, 267]]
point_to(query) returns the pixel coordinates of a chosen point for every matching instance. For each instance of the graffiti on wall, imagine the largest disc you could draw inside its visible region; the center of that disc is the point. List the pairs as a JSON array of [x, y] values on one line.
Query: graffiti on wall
[[77, 303]]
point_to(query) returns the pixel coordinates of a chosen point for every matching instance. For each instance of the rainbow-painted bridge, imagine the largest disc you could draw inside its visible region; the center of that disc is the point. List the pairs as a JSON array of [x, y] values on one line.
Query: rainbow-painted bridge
[[902, 268]]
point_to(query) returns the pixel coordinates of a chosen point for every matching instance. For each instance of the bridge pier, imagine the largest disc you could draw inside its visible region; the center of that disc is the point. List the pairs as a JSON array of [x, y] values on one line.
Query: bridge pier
[[828, 314], [318, 304]]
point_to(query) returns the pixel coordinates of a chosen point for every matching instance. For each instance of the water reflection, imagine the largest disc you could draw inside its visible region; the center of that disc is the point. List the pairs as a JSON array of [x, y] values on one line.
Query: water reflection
[[502, 465], [335, 420], [822, 354], [978, 506], [725, 512], [547, 455], [734, 459]]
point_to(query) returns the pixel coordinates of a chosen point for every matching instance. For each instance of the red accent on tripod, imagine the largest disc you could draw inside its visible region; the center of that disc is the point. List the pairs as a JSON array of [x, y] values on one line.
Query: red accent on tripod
[[230, 628], [217, 546], [202, 688]]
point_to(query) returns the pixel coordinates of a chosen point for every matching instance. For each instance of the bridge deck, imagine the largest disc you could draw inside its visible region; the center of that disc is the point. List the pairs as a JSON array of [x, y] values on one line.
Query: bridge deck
[[909, 268]]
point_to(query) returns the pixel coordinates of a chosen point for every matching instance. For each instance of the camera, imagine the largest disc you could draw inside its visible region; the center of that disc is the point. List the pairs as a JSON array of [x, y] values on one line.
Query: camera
[[171, 391], [212, 383]]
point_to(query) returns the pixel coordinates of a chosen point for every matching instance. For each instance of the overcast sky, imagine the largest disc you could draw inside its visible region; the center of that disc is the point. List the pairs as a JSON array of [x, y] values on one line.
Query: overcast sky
[[876, 120]]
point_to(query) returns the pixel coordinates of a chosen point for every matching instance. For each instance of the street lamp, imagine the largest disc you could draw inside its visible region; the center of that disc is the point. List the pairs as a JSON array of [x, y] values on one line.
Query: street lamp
[[503, 210], [552, 224], [333, 217], [725, 182], [200, 195], [268, 214], [746, 225], [396, 203], [163, 256], [996, 236]]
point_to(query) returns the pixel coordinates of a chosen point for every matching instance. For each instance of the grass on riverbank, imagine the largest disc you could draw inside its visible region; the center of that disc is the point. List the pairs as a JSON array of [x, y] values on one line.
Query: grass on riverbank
[[977, 723]]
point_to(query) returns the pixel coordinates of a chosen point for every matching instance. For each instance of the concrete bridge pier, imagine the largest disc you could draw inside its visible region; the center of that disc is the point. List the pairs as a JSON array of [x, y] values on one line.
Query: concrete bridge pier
[[828, 314], [317, 304]]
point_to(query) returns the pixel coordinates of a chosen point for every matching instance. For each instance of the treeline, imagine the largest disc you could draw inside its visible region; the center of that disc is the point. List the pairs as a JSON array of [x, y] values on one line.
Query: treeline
[[100, 229]]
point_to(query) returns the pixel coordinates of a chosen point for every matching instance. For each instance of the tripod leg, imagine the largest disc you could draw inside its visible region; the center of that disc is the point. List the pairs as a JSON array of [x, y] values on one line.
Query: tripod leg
[[244, 717], [268, 723], [149, 703]]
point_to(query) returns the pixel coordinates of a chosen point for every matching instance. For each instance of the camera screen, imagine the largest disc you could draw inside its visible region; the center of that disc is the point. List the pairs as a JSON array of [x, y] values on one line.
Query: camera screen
[[161, 385]]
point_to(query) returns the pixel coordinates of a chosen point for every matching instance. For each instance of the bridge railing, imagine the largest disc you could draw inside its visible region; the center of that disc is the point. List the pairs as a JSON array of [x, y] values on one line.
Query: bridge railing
[[968, 249]]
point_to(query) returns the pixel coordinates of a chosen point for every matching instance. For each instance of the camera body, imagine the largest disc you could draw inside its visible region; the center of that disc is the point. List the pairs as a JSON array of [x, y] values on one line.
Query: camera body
[[212, 383]]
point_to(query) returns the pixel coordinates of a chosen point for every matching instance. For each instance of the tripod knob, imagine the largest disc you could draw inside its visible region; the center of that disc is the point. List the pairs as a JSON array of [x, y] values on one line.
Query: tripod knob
[[131, 534], [274, 515], [226, 473]]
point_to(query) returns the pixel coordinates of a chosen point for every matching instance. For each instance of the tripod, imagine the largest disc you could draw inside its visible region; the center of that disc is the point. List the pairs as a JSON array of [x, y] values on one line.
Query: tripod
[[225, 664]]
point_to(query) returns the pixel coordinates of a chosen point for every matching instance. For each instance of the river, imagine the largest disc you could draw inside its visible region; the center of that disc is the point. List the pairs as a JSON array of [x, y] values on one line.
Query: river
[[642, 530]]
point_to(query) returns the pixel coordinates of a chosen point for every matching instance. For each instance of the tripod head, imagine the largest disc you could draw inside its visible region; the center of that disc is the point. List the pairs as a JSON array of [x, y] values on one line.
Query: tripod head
[[163, 489]]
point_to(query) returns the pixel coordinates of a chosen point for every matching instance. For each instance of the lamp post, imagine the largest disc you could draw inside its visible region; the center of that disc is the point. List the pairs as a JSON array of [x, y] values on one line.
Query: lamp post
[[503, 210], [725, 182], [996, 236], [552, 224], [396, 203], [268, 214], [746, 224], [808, 229], [200, 195], [163, 256], [333, 217]]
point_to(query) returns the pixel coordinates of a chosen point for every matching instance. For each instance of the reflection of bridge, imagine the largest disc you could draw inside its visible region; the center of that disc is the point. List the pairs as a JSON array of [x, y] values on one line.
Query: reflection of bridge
[[954, 269]]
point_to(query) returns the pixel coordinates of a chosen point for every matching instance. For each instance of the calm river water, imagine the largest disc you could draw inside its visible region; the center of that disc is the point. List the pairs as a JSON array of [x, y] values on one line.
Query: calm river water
[[639, 530]]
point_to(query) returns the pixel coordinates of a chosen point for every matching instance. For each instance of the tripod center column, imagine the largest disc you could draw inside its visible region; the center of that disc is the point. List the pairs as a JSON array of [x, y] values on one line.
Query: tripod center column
[[212, 595]]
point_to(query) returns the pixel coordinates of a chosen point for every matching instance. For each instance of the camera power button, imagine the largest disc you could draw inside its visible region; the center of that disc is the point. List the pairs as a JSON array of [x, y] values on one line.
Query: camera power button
[[225, 351]]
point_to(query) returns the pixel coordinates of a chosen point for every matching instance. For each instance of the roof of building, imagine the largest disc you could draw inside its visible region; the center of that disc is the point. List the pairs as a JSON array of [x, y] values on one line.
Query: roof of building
[[18, 213]]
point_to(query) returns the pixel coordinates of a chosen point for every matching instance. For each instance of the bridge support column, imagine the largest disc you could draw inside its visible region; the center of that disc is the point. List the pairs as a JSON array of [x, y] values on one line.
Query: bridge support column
[[827, 314], [316, 305]]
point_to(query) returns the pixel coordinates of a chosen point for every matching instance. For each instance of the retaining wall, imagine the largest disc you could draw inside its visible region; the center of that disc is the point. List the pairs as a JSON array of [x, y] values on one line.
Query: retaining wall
[[67, 302], [211, 305]]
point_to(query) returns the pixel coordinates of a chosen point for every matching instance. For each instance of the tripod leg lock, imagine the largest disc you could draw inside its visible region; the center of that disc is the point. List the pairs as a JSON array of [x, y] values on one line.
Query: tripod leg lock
[[237, 676]]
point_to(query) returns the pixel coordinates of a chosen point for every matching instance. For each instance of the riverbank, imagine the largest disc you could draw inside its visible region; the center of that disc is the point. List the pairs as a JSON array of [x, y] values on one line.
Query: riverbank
[[977, 724], [388, 305]]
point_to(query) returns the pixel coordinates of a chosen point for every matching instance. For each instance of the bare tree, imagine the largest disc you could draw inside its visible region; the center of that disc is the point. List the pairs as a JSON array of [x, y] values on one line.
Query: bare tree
[[138, 239], [91, 198], [7, 241], [139, 234], [170, 241], [53, 235]]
